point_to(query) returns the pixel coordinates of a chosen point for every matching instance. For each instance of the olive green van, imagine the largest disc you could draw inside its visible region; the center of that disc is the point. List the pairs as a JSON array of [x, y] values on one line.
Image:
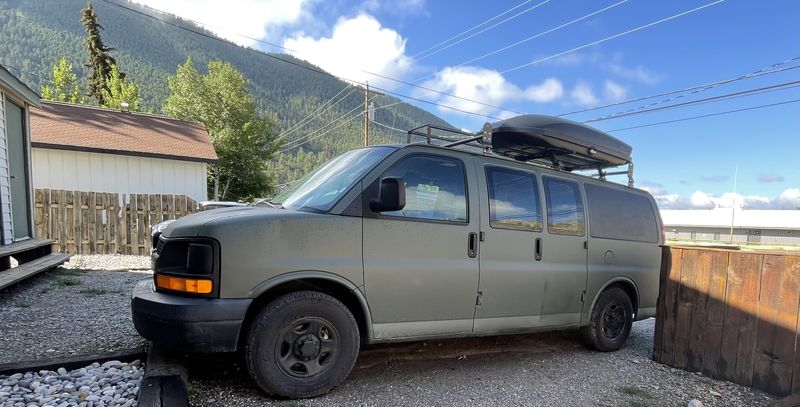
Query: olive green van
[[491, 233]]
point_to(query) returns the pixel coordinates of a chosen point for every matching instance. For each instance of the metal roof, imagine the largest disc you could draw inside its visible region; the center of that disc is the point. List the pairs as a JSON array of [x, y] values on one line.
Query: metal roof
[[742, 218]]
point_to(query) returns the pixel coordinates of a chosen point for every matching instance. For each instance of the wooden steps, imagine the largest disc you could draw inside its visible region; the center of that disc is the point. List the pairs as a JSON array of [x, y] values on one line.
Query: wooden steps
[[33, 267], [24, 246]]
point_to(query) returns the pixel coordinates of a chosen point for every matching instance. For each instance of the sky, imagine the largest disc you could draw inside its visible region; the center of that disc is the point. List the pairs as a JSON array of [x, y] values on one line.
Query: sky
[[562, 56]]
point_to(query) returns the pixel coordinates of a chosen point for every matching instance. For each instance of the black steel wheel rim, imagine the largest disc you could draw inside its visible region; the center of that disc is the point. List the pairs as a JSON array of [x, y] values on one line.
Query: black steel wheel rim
[[613, 322], [307, 347]]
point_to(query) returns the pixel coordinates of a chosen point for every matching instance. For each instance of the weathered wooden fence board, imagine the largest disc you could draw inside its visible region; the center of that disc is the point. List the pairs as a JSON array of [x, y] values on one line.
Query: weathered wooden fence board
[[82, 222], [732, 315]]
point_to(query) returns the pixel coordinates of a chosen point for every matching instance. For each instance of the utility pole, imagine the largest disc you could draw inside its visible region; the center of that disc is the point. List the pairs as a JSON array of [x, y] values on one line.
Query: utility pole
[[733, 207], [366, 116]]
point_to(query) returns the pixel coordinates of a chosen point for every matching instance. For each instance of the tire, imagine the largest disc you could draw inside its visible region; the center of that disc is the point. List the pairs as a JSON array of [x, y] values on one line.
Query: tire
[[302, 344], [610, 321]]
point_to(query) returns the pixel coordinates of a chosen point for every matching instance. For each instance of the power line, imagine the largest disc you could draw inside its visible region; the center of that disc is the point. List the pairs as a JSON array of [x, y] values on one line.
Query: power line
[[633, 30], [390, 127], [306, 67], [473, 28], [346, 121], [323, 127], [533, 37], [484, 30], [445, 93], [764, 71], [707, 115], [316, 113], [326, 132], [749, 92]]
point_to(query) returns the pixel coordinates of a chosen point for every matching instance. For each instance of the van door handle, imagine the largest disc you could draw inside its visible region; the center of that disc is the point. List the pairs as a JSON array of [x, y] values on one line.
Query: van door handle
[[537, 253], [472, 245]]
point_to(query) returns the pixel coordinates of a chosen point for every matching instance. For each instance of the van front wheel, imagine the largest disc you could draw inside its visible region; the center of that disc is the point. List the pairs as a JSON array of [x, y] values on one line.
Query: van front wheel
[[610, 322], [302, 344]]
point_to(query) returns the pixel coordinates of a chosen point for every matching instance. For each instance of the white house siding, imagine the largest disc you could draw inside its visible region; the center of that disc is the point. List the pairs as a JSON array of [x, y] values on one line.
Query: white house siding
[[97, 172], [5, 185]]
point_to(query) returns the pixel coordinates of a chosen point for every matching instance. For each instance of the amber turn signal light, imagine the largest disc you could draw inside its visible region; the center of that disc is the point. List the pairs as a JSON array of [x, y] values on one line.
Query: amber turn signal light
[[187, 285]]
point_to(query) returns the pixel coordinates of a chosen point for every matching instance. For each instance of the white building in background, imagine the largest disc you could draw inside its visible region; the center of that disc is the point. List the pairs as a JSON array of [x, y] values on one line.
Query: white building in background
[[86, 148], [750, 226]]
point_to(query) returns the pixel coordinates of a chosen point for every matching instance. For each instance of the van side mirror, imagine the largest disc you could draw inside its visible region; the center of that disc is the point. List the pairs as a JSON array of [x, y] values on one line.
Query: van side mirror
[[392, 195]]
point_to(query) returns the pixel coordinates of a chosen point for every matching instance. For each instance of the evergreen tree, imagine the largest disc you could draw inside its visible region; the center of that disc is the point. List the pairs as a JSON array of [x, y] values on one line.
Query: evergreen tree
[[100, 62], [120, 90], [63, 85], [243, 139]]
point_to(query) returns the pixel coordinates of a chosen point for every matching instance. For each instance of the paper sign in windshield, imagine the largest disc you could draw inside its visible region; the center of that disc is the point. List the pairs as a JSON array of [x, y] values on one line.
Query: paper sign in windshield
[[427, 194]]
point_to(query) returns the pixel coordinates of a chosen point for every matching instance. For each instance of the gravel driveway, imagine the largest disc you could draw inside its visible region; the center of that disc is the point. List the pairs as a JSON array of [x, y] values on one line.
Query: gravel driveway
[[552, 369], [70, 311]]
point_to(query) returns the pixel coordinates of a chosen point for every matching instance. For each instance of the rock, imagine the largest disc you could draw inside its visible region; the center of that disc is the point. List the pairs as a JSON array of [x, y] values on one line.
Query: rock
[[715, 393], [61, 371], [694, 403], [16, 376]]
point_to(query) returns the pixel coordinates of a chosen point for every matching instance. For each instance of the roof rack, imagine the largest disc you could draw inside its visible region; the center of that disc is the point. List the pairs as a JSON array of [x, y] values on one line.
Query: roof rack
[[547, 141]]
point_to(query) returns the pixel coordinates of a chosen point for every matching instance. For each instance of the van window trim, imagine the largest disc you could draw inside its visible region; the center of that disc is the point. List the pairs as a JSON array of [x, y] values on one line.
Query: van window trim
[[368, 213], [583, 203], [537, 180]]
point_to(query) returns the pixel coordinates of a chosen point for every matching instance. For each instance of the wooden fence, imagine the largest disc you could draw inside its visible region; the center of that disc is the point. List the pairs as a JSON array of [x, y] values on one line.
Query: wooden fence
[[103, 223], [731, 315]]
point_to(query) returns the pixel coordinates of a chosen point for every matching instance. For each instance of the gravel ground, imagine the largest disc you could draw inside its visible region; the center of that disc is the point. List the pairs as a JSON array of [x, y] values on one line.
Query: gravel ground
[[68, 312], [109, 262], [111, 384], [551, 369]]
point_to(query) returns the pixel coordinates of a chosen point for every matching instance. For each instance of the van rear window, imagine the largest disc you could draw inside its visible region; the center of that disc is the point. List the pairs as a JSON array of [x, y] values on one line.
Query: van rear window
[[615, 214]]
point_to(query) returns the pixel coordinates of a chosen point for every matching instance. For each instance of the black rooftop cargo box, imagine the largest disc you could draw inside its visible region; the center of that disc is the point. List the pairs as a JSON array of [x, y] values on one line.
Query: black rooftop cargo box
[[556, 141]]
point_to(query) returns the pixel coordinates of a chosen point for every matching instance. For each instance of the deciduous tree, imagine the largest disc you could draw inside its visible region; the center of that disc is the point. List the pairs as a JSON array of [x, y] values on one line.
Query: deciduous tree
[[63, 85], [119, 91], [243, 139]]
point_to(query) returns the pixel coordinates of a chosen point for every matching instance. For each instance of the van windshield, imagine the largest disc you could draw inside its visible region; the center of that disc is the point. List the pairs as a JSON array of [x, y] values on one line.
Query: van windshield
[[319, 190]]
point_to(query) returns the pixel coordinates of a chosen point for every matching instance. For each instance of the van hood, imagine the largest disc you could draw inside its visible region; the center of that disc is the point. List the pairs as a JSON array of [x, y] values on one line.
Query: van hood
[[192, 225]]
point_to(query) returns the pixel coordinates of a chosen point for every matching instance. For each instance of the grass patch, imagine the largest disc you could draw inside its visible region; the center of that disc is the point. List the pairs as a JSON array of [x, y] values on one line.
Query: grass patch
[[22, 304], [70, 272], [94, 291], [62, 282], [192, 388], [634, 391]]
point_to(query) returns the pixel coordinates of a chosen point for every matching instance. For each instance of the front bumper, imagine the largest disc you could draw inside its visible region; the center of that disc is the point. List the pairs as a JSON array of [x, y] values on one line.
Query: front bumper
[[191, 324]]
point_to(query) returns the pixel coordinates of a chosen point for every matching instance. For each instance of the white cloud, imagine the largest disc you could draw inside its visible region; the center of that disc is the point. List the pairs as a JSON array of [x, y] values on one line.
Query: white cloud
[[615, 91], [487, 86], [653, 188], [583, 94], [548, 91], [637, 73], [788, 199], [396, 7], [356, 44], [250, 18]]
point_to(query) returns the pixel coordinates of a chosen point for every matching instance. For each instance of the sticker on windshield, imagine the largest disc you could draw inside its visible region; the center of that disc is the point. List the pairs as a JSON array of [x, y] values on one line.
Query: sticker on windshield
[[427, 193]]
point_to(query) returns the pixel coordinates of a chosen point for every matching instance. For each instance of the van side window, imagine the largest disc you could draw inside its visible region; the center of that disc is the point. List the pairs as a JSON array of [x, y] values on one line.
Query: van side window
[[564, 207], [616, 214], [513, 199], [435, 188]]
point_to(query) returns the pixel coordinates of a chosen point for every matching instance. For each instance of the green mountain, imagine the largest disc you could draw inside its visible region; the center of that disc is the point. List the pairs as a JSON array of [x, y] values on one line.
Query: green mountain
[[35, 33]]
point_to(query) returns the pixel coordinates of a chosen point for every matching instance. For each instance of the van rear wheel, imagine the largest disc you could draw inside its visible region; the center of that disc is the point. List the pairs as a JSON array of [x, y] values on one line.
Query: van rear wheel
[[610, 322], [302, 344]]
